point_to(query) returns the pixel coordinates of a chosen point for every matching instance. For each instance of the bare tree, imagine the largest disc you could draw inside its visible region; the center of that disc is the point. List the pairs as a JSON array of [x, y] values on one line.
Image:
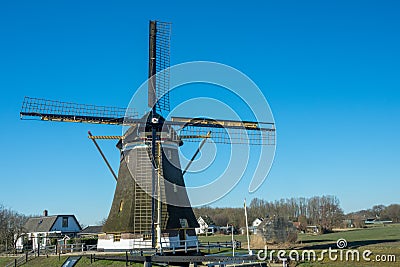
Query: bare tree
[[11, 227], [392, 212]]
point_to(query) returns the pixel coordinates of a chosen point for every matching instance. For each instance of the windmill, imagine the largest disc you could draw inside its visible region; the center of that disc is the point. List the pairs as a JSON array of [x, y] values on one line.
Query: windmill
[[151, 207]]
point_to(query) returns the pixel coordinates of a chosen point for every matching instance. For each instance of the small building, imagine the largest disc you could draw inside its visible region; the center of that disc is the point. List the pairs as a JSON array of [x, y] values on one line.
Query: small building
[[257, 222], [90, 235], [377, 221], [40, 231], [227, 230], [212, 229], [312, 229], [90, 232], [206, 226]]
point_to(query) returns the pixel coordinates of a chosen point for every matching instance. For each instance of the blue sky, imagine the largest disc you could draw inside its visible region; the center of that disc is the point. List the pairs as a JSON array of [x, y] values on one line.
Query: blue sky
[[329, 69]]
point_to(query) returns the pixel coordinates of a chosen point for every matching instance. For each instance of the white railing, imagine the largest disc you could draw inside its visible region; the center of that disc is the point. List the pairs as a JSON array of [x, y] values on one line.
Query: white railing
[[179, 245], [47, 249], [69, 248], [91, 247]]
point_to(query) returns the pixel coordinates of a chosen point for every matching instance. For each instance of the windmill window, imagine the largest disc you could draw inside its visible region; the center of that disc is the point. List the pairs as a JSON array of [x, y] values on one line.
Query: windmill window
[[184, 223], [64, 222], [146, 236], [117, 237], [121, 206]]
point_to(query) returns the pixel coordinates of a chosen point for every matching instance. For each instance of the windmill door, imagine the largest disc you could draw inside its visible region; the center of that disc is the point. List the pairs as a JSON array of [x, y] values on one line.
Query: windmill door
[[182, 236]]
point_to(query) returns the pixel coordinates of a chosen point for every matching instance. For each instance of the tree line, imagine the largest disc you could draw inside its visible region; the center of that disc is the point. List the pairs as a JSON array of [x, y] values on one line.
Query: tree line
[[322, 211], [378, 212]]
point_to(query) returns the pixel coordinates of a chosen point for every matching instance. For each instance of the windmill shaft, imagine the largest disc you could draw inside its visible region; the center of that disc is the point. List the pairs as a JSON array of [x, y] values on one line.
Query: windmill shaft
[[152, 103], [153, 177], [159, 197]]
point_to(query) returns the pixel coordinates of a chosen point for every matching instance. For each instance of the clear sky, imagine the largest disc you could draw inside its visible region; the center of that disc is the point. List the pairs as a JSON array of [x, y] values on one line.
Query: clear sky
[[329, 69]]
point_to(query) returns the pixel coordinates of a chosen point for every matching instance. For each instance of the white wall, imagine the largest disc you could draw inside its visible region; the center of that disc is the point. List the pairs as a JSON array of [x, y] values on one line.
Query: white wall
[[256, 222], [125, 244]]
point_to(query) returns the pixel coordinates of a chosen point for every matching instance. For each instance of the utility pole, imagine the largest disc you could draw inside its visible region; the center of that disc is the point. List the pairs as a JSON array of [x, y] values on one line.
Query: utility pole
[[247, 228]]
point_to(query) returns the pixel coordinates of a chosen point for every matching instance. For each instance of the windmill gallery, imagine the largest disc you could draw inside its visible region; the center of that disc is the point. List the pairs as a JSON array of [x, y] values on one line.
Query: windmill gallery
[[151, 207]]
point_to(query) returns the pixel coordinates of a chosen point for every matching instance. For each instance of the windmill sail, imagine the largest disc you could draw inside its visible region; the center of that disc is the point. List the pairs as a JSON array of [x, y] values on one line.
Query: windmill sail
[[225, 131], [52, 110], [159, 63]]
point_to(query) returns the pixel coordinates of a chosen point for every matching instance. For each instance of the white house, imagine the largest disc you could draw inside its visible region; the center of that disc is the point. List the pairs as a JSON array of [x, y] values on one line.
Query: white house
[[207, 226], [257, 222], [254, 226], [40, 230]]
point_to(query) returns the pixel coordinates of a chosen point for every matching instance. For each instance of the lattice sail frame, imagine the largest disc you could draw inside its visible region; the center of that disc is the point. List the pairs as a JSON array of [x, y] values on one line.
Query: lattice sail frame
[[51, 110], [228, 135], [163, 52]]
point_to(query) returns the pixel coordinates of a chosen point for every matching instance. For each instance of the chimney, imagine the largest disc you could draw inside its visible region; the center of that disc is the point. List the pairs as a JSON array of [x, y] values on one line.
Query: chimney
[[45, 213]]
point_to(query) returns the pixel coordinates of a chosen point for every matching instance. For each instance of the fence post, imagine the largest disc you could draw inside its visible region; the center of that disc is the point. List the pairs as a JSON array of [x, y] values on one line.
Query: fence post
[[15, 262], [208, 244], [126, 258], [147, 262], [219, 247], [26, 256]]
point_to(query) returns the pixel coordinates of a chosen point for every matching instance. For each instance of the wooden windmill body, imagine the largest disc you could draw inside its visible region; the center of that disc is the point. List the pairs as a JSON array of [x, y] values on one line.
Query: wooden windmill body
[[130, 217]]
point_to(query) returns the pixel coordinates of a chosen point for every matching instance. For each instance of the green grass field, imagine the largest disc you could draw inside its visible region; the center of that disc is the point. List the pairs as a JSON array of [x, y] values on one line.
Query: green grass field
[[382, 241], [387, 233]]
